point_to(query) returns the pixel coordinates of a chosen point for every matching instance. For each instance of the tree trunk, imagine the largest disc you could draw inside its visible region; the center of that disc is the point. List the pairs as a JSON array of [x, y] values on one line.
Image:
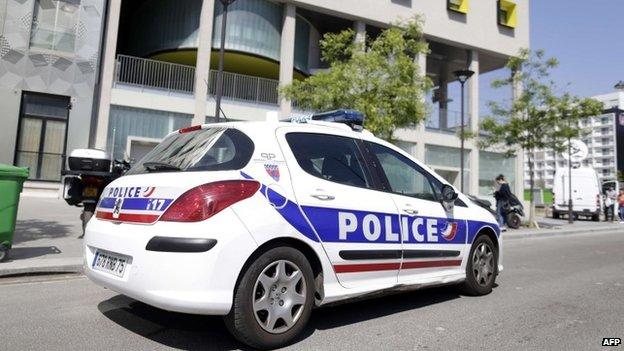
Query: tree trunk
[[532, 221]]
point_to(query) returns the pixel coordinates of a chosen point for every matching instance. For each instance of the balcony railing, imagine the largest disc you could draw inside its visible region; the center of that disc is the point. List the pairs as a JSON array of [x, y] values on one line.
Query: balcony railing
[[146, 73], [446, 120], [176, 78]]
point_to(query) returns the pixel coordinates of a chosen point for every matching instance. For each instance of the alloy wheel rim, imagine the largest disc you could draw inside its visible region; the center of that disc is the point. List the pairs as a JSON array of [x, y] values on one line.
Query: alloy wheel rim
[[279, 296], [483, 264]]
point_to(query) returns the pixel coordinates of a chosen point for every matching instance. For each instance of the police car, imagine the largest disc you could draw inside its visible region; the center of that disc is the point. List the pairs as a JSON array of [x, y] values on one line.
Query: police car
[[263, 221]]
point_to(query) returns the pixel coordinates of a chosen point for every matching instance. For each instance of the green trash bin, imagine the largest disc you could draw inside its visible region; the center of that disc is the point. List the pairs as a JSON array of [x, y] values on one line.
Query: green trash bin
[[11, 180]]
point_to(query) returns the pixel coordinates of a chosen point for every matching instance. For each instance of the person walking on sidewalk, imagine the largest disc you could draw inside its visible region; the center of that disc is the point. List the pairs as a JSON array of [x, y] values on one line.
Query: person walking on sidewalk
[[503, 196], [620, 201], [610, 198]]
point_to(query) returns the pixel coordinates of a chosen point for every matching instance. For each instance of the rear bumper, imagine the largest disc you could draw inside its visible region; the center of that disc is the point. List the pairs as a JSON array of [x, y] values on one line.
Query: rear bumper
[[577, 211], [199, 282]]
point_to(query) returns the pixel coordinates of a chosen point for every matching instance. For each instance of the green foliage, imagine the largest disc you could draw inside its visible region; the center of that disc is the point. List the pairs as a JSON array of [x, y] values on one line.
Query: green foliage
[[538, 118], [381, 79]]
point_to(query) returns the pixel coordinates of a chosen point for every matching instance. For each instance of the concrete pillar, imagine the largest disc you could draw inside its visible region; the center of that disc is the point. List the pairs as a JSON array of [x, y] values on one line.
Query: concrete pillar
[[360, 33], [202, 65], [108, 72], [287, 55], [420, 129], [473, 112]]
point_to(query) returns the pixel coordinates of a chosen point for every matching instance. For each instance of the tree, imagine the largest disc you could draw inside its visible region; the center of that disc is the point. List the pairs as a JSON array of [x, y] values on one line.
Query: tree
[[538, 118], [381, 79]]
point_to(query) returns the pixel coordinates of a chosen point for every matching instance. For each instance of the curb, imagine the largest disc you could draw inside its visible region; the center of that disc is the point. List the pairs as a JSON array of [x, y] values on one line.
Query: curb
[[547, 233], [12, 272]]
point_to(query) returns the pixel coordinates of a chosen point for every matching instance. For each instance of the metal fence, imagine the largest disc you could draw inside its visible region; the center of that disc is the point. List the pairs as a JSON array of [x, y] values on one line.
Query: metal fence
[[446, 120], [246, 88], [155, 74], [173, 77]]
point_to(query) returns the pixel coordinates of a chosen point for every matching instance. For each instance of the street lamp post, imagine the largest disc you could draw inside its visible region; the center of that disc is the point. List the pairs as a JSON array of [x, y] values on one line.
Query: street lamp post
[[462, 76], [219, 91], [570, 211]]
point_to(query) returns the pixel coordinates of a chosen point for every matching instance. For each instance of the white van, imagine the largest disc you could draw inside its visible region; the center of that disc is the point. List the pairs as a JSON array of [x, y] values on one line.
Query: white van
[[586, 199]]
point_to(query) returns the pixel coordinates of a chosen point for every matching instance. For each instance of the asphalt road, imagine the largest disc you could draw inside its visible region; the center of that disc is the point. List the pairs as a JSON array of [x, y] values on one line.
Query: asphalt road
[[557, 293]]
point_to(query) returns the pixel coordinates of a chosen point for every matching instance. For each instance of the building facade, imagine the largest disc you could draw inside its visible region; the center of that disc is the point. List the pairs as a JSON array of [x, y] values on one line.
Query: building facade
[[49, 53], [159, 58], [604, 137]]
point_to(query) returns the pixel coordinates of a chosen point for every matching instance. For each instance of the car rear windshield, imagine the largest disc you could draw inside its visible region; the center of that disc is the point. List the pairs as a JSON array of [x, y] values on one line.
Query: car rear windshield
[[212, 149]]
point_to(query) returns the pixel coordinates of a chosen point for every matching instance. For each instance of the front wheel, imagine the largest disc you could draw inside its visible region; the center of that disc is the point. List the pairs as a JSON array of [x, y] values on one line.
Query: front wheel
[[273, 300], [482, 267]]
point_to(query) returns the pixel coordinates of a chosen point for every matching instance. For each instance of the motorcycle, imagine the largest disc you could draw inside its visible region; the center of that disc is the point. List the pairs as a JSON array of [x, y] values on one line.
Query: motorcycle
[[513, 211], [90, 171]]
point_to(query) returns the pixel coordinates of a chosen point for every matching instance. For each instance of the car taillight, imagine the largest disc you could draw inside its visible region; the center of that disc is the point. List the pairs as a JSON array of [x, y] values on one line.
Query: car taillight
[[206, 200]]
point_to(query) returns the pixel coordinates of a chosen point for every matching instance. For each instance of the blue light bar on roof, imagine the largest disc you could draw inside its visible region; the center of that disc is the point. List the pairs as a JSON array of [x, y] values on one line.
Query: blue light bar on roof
[[352, 118]]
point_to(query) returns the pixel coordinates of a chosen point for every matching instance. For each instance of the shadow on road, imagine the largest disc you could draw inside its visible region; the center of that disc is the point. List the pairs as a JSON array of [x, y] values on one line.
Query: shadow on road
[[33, 229], [194, 332], [20, 253]]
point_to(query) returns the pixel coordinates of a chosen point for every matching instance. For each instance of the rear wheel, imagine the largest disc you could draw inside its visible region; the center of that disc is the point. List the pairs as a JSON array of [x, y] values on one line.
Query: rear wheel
[[596, 217], [4, 252], [514, 220], [556, 214], [273, 300], [85, 216], [482, 267]]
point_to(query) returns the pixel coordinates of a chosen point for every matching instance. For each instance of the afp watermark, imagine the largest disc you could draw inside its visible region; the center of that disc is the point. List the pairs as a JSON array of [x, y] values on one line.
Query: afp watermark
[[611, 341]]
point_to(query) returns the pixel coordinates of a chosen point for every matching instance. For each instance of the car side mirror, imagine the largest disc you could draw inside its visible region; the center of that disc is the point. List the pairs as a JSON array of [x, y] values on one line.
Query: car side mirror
[[449, 195]]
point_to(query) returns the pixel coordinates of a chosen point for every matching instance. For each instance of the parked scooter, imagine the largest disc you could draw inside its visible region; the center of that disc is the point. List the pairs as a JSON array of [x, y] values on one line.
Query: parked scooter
[[513, 212], [90, 171]]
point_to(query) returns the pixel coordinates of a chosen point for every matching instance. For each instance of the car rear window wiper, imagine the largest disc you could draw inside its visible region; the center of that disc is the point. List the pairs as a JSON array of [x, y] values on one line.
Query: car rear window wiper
[[160, 166]]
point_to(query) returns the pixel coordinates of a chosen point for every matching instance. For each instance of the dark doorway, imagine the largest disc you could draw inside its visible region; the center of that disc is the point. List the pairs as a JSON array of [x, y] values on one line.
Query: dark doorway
[[42, 135]]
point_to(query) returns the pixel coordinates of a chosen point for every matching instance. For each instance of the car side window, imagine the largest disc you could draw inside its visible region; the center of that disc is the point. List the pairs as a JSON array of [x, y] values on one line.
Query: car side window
[[404, 176], [330, 157]]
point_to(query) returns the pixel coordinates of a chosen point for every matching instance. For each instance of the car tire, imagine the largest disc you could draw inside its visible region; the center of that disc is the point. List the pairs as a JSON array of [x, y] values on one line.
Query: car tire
[[267, 301], [481, 267], [595, 218], [555, 215]]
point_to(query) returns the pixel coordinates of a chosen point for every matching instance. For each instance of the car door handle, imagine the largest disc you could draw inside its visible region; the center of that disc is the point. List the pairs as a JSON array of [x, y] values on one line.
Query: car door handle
[[410, 211], [323, 197]]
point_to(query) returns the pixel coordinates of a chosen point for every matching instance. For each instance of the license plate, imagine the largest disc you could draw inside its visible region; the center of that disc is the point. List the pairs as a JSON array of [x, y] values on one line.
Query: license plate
[[89, 191], [109, 262]]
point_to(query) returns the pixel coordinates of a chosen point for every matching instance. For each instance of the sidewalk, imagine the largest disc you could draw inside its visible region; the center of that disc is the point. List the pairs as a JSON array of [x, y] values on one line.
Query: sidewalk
[[46, 236], [552, 227]]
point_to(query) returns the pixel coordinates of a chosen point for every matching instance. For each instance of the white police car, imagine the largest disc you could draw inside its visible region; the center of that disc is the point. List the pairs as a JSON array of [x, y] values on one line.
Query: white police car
[[262, 221]]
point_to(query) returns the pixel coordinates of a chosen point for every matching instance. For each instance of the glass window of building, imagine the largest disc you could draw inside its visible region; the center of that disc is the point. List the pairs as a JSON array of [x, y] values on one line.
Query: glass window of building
[[406, 146], [128, 126], [446, 162], [491, 164], [54, 25], [41, 135]]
